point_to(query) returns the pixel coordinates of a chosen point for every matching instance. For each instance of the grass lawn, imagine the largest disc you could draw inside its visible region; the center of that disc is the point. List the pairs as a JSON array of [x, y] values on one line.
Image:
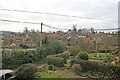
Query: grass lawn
[[48, 74], [1, 50], [103, 55], [19, 49], [68, 61]]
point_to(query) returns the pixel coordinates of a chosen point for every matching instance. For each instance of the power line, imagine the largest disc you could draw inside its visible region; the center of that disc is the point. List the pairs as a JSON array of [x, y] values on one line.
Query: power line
[[108, 29], [52, 26], [60, 25], [18, 21], [58, 15], [87, 29], [31, 23], [55, 27]]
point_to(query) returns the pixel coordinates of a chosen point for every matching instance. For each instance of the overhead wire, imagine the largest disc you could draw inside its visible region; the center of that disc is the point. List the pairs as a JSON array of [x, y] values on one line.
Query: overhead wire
[[52, 14], [52, 26], [31, 23], [55, 27], [59, 15]]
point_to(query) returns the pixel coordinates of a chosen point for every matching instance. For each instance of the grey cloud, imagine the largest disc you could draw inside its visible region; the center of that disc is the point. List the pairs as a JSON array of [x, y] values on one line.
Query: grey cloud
[[87, 8]]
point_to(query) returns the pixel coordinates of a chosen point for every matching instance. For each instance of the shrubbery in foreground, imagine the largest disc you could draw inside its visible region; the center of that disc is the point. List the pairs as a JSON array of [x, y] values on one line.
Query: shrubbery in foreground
[[64, 55], [76, 68], [82, 55], [56, 61], [25, 72], [86, 65], [104, 70]]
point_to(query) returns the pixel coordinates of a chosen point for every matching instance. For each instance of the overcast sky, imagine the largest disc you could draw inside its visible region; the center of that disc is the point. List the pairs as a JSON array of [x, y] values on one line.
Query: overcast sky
[[99, 9]]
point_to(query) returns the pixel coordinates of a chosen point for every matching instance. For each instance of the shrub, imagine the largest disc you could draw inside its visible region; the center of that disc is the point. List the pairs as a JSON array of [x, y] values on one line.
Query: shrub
[[106, 60], [18, 58], [117, 74], [53, 47], [95, 55], [56, 61], [112, 66], [82, 55], [26, 72], [77, 68], [61, 55], [51, 67], [86, 65], [64, 55], [67, 54], [43, 67], [115, 71], [73, 51], [24, 46], [110, 70]]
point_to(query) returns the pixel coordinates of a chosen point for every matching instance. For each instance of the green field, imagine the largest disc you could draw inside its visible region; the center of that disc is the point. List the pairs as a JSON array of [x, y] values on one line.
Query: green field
[[103, 55], [48, 74]]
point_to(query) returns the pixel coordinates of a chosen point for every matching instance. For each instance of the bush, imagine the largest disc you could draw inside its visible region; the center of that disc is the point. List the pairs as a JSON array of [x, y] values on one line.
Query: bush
[[24, 46], [67, 54], [112, 67], [18, 58], [110, 71], [74, 50], [117, 74], [43, 67], [26, 72], [92, 66], [77, 68], [115, 71], [82, 55], [86, 65], [64, 55], [53, 47], [56, 61]]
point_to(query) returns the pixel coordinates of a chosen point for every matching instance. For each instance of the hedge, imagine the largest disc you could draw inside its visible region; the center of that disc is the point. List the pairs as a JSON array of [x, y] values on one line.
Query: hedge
[[56, 61], [82, 55], [106, 69], [87, 65], [77, 68], [26, 72]]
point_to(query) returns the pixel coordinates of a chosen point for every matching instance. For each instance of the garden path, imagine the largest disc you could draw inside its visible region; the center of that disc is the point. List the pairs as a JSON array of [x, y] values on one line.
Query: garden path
[[68, 74]]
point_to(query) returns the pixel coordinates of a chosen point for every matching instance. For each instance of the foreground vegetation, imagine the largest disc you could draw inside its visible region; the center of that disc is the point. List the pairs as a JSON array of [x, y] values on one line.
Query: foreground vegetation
[[48, 74], [76, 60], [18, 57], [81, 65]]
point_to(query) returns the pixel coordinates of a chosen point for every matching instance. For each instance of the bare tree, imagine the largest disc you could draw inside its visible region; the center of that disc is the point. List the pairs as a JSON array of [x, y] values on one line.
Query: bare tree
[[26, 30]]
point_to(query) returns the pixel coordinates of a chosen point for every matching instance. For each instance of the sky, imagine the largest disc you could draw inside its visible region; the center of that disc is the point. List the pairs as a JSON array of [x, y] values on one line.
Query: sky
[[98, 9]]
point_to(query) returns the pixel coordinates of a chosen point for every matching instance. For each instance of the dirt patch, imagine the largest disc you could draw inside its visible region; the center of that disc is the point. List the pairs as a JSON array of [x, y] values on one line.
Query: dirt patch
[[68, 74]]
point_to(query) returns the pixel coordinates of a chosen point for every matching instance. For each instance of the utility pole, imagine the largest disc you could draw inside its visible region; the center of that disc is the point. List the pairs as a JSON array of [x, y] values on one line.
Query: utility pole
[[41, 36], [41, 27]]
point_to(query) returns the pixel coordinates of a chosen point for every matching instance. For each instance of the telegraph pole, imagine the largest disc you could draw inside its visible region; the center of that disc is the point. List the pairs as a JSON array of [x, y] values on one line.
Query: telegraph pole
[[41, 35], [41, 27]]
